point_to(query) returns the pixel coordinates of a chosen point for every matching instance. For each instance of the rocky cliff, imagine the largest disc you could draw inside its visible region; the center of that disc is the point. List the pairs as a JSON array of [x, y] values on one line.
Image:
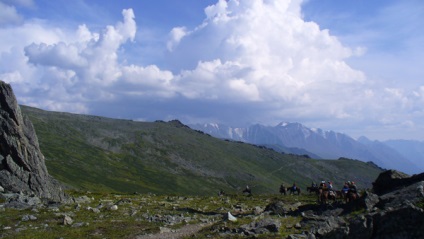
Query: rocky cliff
[[396, 211], [22, 165]]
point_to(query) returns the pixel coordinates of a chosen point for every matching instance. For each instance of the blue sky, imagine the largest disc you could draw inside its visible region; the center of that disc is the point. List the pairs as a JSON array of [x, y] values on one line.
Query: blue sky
[[351, 66]]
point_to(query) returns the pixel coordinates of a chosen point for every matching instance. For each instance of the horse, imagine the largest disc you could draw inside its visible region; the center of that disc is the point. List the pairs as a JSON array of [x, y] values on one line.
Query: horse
[[344, 195], [339, 194], [332, 195], [248, 191], [283, 190], [325, 195], [312, 190], [294, 190], [322, 196], [351, 196]]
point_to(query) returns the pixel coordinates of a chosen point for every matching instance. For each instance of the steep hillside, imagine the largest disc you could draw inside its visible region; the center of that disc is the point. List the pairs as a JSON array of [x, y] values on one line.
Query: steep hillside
[[102, 154]]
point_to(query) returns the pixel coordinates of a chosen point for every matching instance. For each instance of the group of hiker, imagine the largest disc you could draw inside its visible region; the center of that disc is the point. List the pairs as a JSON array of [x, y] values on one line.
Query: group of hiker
[[349, 186]]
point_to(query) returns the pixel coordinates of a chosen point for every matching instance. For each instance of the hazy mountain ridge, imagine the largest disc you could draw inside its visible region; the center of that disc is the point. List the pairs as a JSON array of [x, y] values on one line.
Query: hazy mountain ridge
[[411, 149], [329, 144]]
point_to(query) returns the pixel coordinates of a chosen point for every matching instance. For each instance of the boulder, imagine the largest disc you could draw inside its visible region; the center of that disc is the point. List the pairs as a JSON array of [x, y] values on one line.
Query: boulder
[[361, 227], [67, 220], [22, 165], [402, 197], [369, 200], [113, 207], [391, 180], [406, 222], [277, 208], [265, 225]]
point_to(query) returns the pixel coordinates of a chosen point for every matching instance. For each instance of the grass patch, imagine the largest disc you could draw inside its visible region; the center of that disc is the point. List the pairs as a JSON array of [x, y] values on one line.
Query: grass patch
[[420, 204]]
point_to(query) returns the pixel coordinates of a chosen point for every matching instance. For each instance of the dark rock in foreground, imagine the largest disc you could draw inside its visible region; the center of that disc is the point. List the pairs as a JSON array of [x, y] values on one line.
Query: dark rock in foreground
[[391, 180], [22, 165], [395, 212]]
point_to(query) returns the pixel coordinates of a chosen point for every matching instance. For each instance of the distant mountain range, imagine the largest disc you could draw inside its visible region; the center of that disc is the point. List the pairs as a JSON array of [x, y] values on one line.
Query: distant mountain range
[[295, 138]]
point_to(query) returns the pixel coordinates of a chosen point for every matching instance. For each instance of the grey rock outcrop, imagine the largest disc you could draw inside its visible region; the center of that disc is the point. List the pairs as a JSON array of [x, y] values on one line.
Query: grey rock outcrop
[[391, 180], [394, 212], [22, 165], [260, 227]]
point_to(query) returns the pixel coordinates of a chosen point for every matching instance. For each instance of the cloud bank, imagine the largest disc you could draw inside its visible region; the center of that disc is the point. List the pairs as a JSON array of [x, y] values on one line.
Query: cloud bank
[[249, 61]]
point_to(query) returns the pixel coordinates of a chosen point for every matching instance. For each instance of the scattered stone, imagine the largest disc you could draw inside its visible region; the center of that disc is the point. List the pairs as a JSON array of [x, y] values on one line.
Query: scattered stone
[[258, 210], [164, 230], [82, 200], [79, 224], [19, 229], [298, 236], [124, 201], [1, 189], [204, 220], [276, 208], [54, 209], [133, 213], [113, 208], [26, 218], [95, 210], [67, 220], [20, 201], [262, 226], [231, 217]]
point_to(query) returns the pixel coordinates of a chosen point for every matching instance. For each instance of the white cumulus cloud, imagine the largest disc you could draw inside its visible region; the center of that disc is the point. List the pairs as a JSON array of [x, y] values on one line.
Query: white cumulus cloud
[[247, 61], [264, 51], [8, 14]]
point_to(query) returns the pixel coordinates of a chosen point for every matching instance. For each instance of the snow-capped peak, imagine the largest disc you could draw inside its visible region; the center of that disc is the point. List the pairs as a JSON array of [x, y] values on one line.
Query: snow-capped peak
[[283, 124], [212, 125]]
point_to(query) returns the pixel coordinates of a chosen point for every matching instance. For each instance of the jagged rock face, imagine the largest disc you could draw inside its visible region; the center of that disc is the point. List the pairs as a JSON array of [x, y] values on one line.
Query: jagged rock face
[[391, 180], [22, 165], [392, 214]]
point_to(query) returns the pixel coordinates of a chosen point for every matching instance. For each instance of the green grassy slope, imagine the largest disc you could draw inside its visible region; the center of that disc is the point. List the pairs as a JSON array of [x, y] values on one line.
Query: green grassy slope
[[101, 154]]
